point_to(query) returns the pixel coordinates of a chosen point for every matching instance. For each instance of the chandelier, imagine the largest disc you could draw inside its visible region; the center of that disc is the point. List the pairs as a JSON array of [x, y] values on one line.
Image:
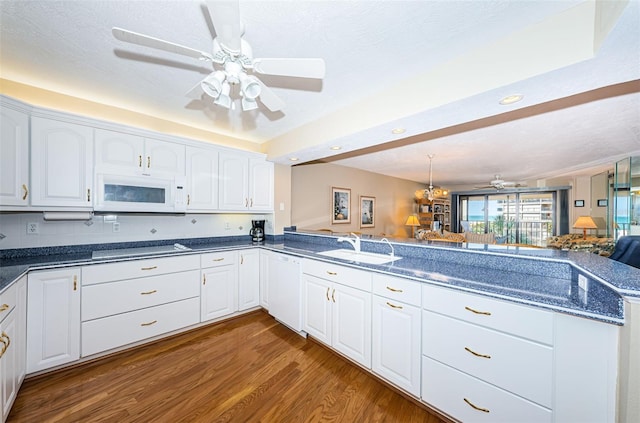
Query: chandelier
[[431, 192]]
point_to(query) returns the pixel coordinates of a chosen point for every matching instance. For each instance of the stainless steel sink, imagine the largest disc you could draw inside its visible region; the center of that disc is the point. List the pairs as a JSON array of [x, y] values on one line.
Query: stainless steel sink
[[360, 257]]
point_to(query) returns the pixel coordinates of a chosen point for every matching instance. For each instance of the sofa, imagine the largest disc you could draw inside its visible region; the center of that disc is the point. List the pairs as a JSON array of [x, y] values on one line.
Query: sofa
[[424, 234], [575, 242]]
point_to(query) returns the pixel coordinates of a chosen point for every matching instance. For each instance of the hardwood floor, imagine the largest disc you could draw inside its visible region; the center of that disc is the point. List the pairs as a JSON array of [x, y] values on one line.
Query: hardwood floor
[[247, 369]]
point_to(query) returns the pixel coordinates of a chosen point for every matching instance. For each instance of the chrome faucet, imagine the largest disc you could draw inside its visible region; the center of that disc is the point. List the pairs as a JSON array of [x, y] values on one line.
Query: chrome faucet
[[387, 241], [355, 242]]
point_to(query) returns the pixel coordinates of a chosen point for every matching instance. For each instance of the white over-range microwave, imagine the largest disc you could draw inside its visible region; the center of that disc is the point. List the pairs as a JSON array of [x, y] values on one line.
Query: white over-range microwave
[[121, 193]]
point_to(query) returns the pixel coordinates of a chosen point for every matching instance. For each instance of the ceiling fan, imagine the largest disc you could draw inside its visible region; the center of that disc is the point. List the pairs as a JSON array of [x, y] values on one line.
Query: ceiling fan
[[232, 61], [500, 184]]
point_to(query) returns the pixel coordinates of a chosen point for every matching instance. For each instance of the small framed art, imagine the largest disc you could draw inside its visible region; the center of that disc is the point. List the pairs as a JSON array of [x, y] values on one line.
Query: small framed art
[[341, 201], [367, 211], [578, 203], [602, 203]]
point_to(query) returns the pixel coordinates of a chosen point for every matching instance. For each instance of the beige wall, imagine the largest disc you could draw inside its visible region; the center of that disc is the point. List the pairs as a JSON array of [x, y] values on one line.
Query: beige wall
[[281, 199], [311, 198]]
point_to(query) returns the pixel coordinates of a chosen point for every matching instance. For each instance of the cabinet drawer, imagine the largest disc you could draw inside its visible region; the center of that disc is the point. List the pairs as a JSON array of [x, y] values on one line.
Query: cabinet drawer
[[105, 299], [222, 258], [520, 320], [397, 289], [515, 364], [354, 278], [122, 329], [8, 300], [446, 389], [108, 272]]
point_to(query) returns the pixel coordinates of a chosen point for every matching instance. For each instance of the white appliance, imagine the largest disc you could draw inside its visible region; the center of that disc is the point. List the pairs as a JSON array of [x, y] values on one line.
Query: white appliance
[[122, 193]]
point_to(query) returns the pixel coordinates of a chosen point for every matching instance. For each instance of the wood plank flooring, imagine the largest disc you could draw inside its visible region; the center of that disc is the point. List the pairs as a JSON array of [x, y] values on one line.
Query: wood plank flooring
[[248, 369]]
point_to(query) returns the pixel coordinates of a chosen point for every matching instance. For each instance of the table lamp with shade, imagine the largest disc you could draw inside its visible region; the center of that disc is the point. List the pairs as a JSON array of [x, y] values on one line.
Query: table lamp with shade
[[584, 223], [412, 221]]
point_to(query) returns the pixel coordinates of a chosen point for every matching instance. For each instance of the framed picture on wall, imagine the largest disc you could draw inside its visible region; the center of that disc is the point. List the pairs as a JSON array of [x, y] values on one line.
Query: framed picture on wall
[[602, 203], [578, 203], [367, 211], [341, 202]]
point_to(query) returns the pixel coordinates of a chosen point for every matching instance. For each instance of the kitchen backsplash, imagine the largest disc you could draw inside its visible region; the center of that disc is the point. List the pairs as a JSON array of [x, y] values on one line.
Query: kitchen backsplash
[[29, 230]]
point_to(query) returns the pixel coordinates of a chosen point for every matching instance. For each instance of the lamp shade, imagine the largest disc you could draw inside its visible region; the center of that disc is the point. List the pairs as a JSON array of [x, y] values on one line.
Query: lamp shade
[[584, 223], [412, 220]]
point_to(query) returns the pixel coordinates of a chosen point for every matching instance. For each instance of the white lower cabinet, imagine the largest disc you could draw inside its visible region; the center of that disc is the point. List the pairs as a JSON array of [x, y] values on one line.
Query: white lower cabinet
[[53, 318], [219, 284], [338, 314], [264, 278], [488, 360], [248, 279], [396, 332], [13, 309]]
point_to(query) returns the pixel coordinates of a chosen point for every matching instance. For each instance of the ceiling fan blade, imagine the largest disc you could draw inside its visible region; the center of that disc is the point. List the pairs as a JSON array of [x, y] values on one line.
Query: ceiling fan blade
[[303, 68], [225, 16], [269, 98], [196, 92], [145, 40]]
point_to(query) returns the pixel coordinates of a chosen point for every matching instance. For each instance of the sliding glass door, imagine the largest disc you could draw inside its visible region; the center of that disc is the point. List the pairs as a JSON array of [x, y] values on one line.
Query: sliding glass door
[[515, 218]]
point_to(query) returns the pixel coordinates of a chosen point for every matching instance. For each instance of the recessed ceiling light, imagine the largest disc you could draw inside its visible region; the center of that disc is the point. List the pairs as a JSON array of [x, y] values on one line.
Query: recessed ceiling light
[[398, 131], [510, 99], [336, 147], [293, 159]]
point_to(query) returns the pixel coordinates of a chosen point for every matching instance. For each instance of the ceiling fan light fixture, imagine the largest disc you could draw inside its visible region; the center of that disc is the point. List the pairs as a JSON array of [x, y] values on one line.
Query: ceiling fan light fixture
[[223, 98], [249, 86], [249, 104], [212, 84]]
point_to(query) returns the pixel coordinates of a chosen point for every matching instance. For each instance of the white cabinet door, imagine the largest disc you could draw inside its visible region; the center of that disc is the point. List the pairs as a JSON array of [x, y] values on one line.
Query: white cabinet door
[[264, 278], [351, 323], [285, 291], [118, 153], [234, 177], [53, 318], [219, 292], [317, 308], [8, 363], [21, 327], [61, 163], [14, 158], [249, 279], [202, 179], [163, 158], [260, 185], [396, 343]]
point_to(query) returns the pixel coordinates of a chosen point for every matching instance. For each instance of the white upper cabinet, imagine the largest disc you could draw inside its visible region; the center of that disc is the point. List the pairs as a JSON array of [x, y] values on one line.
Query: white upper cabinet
[[202, 179], [14, 158], [245, 183], [61, 163], [127, 154]]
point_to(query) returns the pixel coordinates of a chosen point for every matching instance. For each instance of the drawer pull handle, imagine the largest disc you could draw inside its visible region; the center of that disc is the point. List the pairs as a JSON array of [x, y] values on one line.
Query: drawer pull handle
[[149, 292], [476, 354], [4, 307], [328, 294], [148, 162], [475, 407], [139, 161], [331, 273], [88, 194], [394, 289], [393, 306], [5, 336], [219, 259], [149, 268], [333, 295], [486, 313], [75, 282], [26, 191], [149, 324]]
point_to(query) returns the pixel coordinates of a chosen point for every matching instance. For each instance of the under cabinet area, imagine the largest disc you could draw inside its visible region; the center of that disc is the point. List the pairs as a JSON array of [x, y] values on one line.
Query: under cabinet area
[[130, 301], [337, 308], [53, 318]]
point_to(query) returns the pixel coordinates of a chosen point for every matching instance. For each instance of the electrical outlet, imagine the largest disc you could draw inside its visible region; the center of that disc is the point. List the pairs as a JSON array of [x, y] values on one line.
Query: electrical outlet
[[33, 228], [227, 226], [116, 227]]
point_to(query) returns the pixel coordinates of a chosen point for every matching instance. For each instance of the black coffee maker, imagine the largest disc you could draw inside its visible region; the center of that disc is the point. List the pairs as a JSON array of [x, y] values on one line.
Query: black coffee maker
[[257, 231]]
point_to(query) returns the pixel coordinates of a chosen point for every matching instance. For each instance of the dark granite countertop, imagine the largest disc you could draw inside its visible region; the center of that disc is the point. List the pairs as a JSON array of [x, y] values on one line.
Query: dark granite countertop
[[544, 278]]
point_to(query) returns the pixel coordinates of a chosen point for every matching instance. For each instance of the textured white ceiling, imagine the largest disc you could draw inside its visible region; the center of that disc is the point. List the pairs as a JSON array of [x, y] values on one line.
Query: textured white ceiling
[[370, 48]]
